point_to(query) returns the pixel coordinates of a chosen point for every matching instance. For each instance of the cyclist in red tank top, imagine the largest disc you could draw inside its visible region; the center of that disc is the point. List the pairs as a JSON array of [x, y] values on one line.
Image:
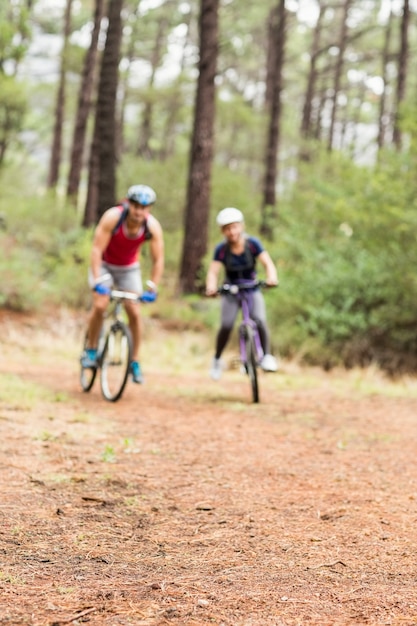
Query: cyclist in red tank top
[[123, 248], [115, 261]]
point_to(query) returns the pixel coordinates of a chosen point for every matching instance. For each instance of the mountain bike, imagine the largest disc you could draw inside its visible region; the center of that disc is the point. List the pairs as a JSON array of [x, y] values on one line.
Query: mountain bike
[[250, 346], [114, 350]]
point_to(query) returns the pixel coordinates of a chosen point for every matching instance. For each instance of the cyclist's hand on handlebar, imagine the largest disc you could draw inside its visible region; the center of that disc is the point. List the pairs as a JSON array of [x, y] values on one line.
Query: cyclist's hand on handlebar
[[210, 293], [149, 296], [103, 290], [271, 283]]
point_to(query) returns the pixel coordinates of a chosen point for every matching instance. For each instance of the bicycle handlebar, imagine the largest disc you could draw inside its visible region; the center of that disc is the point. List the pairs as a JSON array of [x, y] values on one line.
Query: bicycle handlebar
[[234, 289], [115, 294]]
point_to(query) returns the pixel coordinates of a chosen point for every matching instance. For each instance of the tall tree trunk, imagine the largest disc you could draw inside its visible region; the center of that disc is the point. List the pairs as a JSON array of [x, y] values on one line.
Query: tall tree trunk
[[354, 146], [144, 148], [277, 32], [123, 90], [271, 59], [306, 122], [402, 72], [56, 152], [176, 101], [106, 109], [338, 71], [199, 176], [102, 169], [382, 121], [84, 105], [91, 203]]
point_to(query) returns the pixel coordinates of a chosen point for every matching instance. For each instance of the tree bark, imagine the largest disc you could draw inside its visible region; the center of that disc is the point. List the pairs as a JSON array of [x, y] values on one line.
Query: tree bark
[[56, 151], [175, 100], [144, 148], [84, 106], [338, 71], [402, 72], [102, 168], [277, 32], [383, 121], [306, 122], [199, 176]]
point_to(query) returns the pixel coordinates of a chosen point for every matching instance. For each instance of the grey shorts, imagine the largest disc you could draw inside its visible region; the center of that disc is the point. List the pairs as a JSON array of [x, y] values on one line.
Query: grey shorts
[[123, 278]]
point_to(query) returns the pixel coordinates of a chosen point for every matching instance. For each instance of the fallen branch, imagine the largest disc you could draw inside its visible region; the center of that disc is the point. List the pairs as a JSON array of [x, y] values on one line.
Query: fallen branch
[[72, 619], [327, 565]]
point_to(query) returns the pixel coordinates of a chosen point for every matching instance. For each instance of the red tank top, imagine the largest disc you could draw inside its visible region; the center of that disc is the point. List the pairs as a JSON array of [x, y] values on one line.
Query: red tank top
[[123, 248]]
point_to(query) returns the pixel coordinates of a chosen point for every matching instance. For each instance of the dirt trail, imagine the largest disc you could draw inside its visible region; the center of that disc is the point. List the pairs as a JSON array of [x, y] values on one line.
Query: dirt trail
[[186, 504]]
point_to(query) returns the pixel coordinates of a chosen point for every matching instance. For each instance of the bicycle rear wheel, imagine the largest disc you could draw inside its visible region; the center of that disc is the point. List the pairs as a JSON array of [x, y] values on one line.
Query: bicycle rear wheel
[[115, 362], [87, 374], [251, 363]]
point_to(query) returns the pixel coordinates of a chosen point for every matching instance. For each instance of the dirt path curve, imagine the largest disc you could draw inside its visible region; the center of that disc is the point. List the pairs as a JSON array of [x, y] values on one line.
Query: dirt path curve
[[186, 504]]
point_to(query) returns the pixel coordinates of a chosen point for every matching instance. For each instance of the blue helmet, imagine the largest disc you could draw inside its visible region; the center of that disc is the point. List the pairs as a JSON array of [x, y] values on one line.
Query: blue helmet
[[142, 194]]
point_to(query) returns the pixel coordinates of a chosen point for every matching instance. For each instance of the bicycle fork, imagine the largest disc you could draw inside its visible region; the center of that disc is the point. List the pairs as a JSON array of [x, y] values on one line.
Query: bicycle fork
[[248, 321]]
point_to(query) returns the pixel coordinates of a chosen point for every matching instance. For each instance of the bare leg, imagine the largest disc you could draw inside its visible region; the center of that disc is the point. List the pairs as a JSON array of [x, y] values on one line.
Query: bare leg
[[135, 325], [95, 323]]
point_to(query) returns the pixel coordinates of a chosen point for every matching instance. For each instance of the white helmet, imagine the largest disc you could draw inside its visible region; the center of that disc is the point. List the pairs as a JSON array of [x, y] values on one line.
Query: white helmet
[[230, 215]]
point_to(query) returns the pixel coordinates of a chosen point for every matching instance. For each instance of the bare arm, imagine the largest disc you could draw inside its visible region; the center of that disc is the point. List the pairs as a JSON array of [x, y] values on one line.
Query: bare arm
[[157, 251], [270, 269], [212, 278]]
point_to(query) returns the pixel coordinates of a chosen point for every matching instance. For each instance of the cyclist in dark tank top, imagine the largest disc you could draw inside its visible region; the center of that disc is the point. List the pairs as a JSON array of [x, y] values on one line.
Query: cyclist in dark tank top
[[237, 256]]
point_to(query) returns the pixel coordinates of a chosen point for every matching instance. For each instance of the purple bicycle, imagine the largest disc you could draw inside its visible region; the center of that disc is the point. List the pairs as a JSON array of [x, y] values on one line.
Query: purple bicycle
[[250, 346]]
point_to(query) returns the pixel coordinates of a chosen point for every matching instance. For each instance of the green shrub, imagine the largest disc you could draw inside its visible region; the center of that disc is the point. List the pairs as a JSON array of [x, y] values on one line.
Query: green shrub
[[346, 257], [344, 246]]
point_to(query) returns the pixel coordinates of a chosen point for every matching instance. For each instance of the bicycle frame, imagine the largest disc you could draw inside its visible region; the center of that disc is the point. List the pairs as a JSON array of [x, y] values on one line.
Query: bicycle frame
[[114, 350], [112, 316], [250, 345], [248, 321], [115, 306], [241, 293]]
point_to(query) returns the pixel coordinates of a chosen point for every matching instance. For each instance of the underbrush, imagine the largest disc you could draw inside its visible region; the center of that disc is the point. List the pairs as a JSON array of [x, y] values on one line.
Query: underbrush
[[343, 244]]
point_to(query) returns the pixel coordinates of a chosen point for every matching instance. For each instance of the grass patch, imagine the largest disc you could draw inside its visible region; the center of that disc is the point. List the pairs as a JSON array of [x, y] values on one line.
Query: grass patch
[[21, 394]]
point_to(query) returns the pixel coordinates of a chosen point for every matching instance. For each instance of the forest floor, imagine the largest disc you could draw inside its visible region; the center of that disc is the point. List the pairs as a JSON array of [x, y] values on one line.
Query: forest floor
[[184, 503]]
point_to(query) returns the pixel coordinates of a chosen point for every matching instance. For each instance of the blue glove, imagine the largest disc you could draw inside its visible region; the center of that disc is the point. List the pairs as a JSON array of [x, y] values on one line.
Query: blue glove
[[148, 296], [103, 290]]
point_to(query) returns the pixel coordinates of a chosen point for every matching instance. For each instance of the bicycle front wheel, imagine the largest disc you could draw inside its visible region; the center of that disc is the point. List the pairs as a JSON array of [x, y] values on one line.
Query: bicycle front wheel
[[251, 363], [115, 362]]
